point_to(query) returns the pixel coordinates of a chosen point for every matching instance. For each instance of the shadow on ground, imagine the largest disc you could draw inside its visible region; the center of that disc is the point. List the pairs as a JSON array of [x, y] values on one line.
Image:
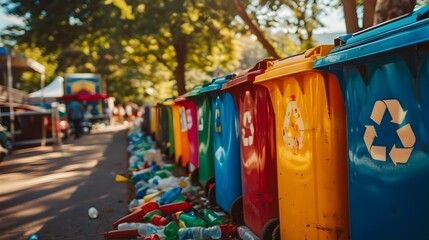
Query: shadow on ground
[[49, 192]]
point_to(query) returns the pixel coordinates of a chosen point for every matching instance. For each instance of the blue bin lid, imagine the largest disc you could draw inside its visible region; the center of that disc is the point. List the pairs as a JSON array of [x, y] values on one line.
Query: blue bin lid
[[217, 83], [400, 32], [196, 91]]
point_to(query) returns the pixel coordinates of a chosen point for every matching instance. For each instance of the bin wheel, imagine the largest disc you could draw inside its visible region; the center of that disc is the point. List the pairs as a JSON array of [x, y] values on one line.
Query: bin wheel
[[268, 229], [237, 212], [194, 178], [209, 182], [276, 233], [212, 195]]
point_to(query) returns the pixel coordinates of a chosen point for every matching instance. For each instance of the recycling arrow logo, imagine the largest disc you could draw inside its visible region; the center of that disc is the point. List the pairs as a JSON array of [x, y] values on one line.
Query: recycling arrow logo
[[405, 133], [248, 130], [200, 119], [293, 126]]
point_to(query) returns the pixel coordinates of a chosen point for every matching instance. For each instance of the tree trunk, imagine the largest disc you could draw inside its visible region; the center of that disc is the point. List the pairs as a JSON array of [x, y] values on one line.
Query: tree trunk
[[368, 13], [388, 9], [350, 16], [181, 46], [254, 29]]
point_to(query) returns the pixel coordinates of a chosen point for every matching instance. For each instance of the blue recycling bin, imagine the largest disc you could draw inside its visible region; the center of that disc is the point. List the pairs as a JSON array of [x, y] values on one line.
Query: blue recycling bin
[[226, 147], [384, 76]]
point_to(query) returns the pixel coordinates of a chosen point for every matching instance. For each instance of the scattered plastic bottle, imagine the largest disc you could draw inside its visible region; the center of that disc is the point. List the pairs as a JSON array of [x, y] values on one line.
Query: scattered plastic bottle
[[92, 212], [200, 233], [191, 221], [145, 175], [245, 233], [141, 192], [146, 229], [138, 214], [228, 230], [170, 196], [171, 229], [148, 216], [172, 208], [211, 217], [126, 225], [159, 220]]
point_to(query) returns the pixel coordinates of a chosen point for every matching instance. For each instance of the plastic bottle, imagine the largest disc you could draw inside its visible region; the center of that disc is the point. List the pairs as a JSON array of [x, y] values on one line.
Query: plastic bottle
[[211, 217], [171, 229], [200, 233], [126, 225], [92, 212], [170, 196], [151, 196], [148, 216], [171, 208], [159, 220], [191, 221], [145, 175], [228, 230], [138, 214], [162, 173], [152, 237], [245, 233], [125, 233], [146, 229], [141, 192]]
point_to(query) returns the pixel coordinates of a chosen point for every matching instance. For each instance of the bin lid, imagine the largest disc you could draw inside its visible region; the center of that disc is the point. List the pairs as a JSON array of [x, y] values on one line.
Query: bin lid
[[400, 32], [294, 64], [196, 91], [249, 74], [217, 83], [192, 92]]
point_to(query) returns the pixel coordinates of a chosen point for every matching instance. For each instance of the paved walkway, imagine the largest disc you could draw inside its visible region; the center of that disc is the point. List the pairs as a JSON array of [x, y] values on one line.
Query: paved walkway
[[49, 191]]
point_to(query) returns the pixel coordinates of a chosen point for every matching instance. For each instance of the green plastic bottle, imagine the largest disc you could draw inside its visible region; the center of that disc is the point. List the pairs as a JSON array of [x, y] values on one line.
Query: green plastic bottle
[[171, 229], [211, 217], [148, 216], [191, 221]]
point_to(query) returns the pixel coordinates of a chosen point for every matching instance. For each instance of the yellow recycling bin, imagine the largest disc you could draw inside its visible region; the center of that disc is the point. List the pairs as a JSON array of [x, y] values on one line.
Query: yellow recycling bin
[[311, 148], [176, 129], [154, 121]]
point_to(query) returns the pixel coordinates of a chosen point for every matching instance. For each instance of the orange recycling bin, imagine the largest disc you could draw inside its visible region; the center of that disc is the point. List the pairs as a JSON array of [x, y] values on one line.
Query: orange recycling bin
[[155, 123], [176, 129], [311, 148]]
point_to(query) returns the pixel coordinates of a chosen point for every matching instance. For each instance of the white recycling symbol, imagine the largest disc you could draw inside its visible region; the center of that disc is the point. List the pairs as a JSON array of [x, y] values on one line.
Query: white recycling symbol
[[293, 126], [200, 119], [405, 133], [189, 118], [247, 124]]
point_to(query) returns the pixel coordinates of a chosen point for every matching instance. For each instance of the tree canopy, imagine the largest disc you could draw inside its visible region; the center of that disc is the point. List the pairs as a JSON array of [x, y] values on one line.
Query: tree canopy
[[156, 49]]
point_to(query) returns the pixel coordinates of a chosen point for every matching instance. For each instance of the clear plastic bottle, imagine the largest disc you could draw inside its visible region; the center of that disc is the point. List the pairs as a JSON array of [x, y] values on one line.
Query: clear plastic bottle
[[146, 229], [200, 233], [245, 233], [213, 232], [126, 225]]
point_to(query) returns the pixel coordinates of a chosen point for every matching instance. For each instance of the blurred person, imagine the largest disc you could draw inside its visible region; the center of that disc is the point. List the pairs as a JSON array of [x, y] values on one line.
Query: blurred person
[[75, 113]]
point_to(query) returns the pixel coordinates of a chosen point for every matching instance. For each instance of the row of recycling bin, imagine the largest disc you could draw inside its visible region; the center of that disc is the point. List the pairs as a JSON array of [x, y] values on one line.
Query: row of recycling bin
[[328, 144]]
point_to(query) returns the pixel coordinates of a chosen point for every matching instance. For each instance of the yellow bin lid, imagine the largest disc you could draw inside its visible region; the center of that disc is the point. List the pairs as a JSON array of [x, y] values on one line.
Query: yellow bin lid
[[294, 64]]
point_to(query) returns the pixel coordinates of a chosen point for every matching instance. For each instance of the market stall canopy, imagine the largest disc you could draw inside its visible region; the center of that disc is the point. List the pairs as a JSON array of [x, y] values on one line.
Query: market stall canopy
[[84, 95], [20, 62], [54, 90]]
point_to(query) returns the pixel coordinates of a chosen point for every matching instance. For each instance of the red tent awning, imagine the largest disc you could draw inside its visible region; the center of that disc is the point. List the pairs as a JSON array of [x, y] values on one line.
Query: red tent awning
[[84, 95]]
